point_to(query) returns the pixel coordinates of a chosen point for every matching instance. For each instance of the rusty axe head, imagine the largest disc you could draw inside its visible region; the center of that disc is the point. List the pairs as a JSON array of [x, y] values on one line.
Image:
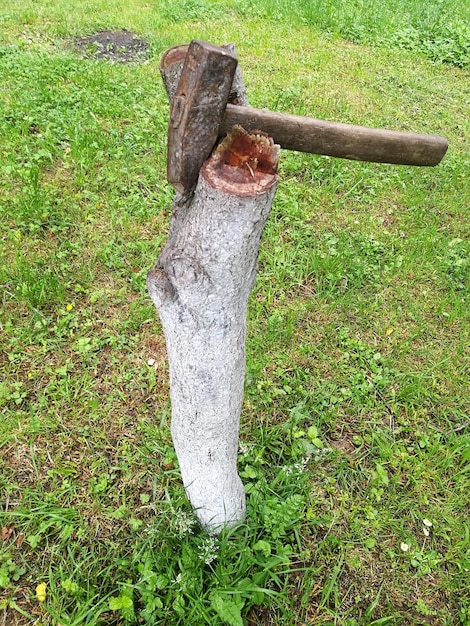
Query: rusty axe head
[[197, 110], [201, 112]]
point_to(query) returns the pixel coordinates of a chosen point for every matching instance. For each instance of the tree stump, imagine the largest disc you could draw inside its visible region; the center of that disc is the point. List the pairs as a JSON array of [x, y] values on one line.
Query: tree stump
[[200, 286]]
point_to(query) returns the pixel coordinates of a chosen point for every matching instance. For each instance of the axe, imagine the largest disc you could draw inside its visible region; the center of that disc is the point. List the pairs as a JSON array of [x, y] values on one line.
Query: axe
[[201, 112]]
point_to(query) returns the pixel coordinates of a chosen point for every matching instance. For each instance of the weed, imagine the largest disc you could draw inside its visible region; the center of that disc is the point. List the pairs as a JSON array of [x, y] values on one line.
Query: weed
[[456, 264]]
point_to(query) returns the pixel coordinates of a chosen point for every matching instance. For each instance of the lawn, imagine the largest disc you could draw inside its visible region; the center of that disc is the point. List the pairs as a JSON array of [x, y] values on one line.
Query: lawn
[[355, 441]]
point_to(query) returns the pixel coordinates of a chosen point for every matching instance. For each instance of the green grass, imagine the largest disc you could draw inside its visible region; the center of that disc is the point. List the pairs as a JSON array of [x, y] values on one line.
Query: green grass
[[440, 29], [355, 426]]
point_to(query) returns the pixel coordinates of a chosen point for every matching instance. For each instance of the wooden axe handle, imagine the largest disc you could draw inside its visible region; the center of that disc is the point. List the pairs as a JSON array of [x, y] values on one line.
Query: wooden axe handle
[[346, 141]]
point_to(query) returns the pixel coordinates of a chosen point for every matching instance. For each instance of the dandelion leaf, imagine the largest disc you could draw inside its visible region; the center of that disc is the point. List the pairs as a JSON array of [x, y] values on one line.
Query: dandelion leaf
[[228, 608]]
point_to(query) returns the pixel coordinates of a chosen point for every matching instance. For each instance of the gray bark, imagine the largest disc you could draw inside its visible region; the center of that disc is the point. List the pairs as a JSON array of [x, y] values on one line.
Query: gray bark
[[200, 287]]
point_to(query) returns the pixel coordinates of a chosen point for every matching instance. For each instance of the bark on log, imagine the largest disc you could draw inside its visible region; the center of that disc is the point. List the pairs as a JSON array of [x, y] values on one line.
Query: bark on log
[[200, 287]]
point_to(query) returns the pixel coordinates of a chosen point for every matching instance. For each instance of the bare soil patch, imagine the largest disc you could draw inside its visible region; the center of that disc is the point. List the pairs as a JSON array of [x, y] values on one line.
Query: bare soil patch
[[113, 45]]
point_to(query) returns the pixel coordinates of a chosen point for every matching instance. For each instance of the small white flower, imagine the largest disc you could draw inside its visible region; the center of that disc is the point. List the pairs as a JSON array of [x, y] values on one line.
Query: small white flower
[[425, 532], [404, 546], [244, 448], [183, 523], [296, 468], [209, 550], [427, 522], [151, 362]]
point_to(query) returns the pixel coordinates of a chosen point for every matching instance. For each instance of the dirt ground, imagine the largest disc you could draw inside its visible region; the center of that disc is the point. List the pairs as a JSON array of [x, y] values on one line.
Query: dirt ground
[[120, 45]]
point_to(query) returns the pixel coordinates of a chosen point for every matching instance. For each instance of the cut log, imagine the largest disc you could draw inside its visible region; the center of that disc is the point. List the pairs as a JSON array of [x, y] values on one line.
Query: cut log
[[200, 287]]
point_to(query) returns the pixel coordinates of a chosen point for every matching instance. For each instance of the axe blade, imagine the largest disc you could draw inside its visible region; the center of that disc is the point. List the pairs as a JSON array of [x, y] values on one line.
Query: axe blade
[[197, 111]]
